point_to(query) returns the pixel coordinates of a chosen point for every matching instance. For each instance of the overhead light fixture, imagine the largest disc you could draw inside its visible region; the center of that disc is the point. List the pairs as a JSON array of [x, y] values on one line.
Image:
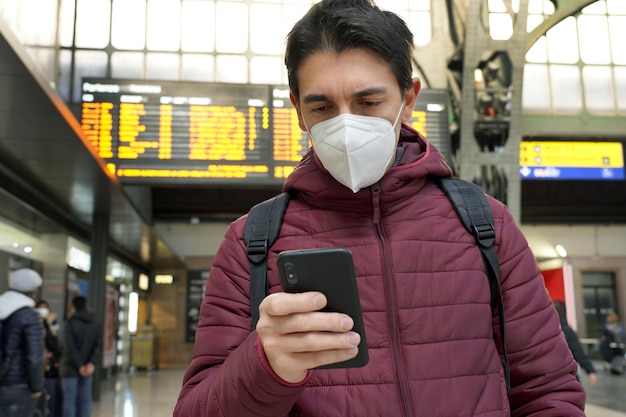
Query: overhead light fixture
[[561, 251], [164, 279]]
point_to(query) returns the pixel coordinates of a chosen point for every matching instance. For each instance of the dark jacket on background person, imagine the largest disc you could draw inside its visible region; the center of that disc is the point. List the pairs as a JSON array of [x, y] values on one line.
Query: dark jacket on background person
[[426, 305], [22, 342], [53, 346], [576, 347], [83, 343]]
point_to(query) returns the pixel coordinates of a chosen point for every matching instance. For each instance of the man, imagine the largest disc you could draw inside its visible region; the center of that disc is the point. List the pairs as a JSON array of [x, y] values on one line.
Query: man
[[573, 342], [366, 185], [83, 350], [22, 368]]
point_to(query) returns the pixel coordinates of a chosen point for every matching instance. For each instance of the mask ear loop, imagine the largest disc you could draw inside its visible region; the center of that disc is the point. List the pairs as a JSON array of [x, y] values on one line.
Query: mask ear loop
[[399, 113]]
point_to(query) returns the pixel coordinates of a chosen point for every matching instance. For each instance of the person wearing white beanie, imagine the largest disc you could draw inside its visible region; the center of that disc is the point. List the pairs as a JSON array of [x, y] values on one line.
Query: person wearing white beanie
[[21, 344], [25, 280]]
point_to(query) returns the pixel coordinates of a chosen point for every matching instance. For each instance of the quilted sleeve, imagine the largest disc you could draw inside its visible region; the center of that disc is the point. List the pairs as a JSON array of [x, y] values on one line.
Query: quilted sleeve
[[543, 371], [227, 375]]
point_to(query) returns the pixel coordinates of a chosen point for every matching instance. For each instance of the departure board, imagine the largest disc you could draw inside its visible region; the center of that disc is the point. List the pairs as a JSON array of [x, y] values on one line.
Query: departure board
[[182, 132], [571, 160]]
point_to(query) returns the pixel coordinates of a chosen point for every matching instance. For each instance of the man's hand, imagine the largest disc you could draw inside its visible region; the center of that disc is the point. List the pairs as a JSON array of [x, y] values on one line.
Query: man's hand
[[297, 337], [593, 379], [87, 370]]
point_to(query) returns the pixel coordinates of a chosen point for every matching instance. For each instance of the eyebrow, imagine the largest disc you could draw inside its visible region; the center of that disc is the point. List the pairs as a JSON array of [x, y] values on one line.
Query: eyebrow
[[311, 98]]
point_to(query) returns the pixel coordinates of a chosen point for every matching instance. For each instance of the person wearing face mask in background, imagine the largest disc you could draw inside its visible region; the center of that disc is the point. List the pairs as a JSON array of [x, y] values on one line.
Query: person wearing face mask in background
[[367, 185], [52, 357], [21, 341]]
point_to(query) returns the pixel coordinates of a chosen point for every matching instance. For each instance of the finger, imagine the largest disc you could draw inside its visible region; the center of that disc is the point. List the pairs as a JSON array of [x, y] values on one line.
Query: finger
[[310, 350], [312, 342], [314, 322], [283, 304]]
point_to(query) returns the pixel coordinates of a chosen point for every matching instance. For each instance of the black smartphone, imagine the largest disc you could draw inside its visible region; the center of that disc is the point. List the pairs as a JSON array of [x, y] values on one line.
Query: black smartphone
[[330, 271]]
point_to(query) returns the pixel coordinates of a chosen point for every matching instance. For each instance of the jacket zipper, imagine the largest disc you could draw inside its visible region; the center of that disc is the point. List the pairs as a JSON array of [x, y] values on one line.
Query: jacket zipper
[[407, 408]]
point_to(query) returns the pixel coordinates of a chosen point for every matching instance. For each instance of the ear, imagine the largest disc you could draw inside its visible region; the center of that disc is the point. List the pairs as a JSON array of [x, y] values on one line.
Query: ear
[[410, 96], [294, 101]]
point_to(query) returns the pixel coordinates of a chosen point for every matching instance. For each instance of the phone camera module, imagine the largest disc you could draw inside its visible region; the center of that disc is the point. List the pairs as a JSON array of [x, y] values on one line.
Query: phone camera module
[[290, 273]]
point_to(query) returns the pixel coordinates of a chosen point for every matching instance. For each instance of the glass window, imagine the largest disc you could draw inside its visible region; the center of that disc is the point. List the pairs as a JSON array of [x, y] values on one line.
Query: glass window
[[617, 30], [266, 37], [163, 25], [538, 52], [198, 67], [291, 14], [198, 29], [128, 65], [562, 42], [536, 92], [93, 19], [594, 39], [533, 21], [620, 88], [39, 28], [393, 5], [599, 7], [500, 26], [616, 6], [162, 66], [231, 69], [419, 23], [419, 4], [88, 64], [63, 84], [540, 7], [231, 28], [128, 27], [598, 89], [566, 89], [266, 70], [66, 23]]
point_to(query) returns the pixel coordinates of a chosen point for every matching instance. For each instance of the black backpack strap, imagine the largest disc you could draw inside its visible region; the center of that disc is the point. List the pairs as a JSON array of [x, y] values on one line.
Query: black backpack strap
[[472, 207], [261, 230]]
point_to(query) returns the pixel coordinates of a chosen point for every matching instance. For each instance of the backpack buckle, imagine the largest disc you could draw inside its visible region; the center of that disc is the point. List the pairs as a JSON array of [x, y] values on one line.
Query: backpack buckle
[[257, 250], [485, 234]]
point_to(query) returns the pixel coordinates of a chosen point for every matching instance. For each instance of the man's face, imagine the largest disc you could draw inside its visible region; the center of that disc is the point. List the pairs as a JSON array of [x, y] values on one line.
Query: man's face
[[355, 81]]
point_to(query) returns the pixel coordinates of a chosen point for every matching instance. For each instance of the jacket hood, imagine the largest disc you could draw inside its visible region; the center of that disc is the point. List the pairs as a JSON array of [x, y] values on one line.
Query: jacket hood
[[419, 160], [84, 315], [12, 301]]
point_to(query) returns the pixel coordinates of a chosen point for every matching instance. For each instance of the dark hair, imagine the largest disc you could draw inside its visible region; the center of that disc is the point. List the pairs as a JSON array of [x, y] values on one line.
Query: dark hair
[[42, 302], [79, 303], [340, 25], [560, 308]]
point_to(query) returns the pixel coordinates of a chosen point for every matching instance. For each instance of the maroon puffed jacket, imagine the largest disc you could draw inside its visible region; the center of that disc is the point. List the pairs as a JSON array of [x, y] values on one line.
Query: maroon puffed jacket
[[426, 304]]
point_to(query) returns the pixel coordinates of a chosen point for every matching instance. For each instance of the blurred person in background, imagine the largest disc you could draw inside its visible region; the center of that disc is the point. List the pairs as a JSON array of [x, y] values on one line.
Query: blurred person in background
[[573, 342], [52, 357], [613, 343], [21, 344], [82, 351]]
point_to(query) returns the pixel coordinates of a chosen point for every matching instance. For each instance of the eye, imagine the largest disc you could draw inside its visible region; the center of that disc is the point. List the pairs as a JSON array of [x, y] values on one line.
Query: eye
[[319, 109], [371, 103]]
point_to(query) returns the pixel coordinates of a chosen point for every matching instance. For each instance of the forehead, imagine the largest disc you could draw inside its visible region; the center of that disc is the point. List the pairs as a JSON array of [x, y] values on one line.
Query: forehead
[[344, 73]]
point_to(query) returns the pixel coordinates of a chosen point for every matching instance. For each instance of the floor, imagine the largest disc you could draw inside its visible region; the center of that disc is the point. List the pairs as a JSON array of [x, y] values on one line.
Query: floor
[[153, 394]]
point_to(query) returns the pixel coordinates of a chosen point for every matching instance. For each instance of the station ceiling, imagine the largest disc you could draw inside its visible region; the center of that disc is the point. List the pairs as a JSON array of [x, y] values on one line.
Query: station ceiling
[[49, 178]]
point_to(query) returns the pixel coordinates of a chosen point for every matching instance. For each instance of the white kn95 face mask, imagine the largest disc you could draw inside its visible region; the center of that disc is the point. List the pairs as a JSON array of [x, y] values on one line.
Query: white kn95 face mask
[[356, 150]]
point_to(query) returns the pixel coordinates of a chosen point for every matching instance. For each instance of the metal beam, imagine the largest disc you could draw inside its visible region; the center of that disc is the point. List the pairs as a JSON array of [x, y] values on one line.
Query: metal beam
[[564, 9]]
